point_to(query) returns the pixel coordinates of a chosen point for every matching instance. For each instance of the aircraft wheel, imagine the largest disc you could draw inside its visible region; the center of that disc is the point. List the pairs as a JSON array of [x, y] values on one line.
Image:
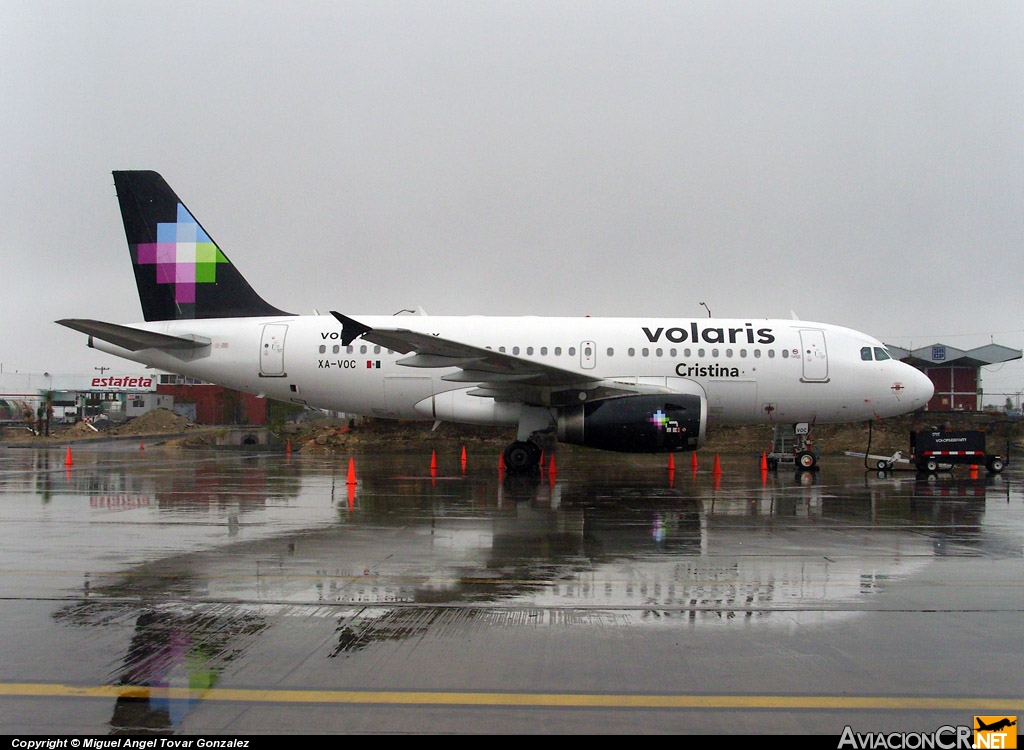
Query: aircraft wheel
[[806, 460], [931, 465], [994, 465], [522, 455]]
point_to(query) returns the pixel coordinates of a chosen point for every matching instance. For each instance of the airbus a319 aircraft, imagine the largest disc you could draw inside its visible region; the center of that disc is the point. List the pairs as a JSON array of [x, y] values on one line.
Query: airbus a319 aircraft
[[622, 384]]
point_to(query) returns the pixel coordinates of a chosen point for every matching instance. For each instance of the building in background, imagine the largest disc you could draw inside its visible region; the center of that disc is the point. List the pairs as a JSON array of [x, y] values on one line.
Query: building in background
[[205, 403], [955, 373], [40, 399]]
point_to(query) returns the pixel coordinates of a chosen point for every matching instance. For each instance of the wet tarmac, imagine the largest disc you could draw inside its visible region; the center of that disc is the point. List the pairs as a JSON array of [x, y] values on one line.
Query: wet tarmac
[[229, 593]]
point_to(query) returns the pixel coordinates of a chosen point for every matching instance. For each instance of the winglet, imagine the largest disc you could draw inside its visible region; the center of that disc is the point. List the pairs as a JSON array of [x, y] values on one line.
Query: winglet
[[351, 329]]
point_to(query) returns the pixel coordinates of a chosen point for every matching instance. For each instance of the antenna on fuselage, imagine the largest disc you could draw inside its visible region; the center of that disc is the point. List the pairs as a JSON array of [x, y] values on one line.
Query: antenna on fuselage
[[704, 305]]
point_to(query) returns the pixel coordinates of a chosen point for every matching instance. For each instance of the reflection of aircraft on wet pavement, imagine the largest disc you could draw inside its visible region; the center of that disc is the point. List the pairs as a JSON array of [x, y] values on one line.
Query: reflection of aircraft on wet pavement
[[587, 552], [622, 384]]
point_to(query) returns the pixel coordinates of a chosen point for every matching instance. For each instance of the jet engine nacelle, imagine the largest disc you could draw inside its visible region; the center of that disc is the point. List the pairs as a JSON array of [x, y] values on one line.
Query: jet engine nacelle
[[657, 423]]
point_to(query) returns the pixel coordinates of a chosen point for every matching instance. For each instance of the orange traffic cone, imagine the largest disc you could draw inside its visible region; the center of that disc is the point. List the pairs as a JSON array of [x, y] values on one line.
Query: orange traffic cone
[[693, 461], [717, 469], [67, 459], [671, 462], [351, 471]]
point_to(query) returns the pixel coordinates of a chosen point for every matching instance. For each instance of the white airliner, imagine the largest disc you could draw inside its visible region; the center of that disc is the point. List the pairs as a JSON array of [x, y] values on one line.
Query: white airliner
[[623, 384]]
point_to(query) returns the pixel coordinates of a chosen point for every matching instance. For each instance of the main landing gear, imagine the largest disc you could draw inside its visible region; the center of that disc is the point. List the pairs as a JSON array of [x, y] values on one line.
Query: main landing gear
[[522, 456], [536, 431]]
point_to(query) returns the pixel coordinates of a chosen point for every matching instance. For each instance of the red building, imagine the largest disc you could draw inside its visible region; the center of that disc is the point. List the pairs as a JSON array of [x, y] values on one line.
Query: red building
[[204, 403], [956, 373]]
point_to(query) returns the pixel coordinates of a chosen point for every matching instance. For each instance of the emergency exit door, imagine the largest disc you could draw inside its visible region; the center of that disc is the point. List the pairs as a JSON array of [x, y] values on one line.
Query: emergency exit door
[[272, 350]]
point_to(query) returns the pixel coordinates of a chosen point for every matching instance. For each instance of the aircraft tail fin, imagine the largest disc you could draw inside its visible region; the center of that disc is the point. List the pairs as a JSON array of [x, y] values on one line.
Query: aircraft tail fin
[[181, 273]]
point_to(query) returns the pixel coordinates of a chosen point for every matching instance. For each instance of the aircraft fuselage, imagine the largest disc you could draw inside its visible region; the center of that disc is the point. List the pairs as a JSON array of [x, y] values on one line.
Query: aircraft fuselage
[[751, 371]]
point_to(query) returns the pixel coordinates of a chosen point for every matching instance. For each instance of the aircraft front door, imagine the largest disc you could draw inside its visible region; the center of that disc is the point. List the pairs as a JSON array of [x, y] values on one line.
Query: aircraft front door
[[814, 355], [272, 350]]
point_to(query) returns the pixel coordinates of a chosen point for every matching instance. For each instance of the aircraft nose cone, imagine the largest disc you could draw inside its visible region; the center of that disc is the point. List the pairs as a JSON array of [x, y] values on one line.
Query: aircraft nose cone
[[922, 388]]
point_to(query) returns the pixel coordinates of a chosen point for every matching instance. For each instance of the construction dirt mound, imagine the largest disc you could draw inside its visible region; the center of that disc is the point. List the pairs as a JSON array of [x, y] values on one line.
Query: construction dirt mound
[[336, 436], [332, 436], [155, 422]]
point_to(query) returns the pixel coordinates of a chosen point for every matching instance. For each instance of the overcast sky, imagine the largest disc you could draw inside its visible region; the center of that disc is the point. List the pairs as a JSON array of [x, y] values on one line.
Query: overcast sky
[[857, 163]]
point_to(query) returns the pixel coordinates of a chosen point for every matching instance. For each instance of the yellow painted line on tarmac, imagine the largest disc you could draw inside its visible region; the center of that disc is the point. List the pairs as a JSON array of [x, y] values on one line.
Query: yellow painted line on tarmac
[[551, 700]]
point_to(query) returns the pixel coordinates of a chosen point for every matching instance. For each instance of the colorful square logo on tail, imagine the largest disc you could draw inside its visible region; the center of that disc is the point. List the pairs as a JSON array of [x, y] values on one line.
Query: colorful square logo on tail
[[184, 256]]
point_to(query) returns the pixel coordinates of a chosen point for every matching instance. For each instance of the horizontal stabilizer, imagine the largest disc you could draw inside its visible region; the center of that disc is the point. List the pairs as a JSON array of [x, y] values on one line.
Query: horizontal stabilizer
[[133, 339]]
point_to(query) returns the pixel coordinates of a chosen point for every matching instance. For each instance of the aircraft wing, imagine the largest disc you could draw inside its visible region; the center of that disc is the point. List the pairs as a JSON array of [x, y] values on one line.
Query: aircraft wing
[[133, 339], [497, 374]]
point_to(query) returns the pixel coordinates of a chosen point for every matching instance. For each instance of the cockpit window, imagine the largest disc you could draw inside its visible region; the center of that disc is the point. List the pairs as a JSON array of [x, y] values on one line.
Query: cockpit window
[[880, 354]]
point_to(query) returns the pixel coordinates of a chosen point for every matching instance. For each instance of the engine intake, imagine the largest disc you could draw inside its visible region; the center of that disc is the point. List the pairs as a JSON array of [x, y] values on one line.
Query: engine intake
[[659, 423]]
